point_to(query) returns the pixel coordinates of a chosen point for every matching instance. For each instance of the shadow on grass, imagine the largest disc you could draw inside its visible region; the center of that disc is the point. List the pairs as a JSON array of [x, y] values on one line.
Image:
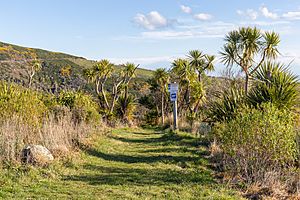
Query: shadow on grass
[[134, 176], [181, 174], [174, 149], [139, 159], [166, 139]]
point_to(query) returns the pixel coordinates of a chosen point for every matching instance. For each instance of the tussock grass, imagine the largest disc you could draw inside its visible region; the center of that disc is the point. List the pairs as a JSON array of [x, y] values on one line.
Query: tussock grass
[[58, 135]]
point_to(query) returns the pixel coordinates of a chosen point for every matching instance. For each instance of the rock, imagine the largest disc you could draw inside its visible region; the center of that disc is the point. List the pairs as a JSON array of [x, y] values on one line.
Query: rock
[[37, 155]]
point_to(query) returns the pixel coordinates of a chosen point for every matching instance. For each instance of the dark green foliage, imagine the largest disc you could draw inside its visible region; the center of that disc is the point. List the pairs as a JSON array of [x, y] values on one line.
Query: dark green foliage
[[225, 106], [126, 108], [276, 84], [273, 83]]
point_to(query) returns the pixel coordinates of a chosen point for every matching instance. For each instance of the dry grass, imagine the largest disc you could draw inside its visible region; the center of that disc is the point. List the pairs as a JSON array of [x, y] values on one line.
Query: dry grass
[[59, 136]]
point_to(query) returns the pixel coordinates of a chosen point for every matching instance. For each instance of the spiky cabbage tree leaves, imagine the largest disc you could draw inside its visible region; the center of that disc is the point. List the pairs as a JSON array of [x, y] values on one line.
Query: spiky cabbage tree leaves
[[126, 107], [242, 48], [226, 105], [98, 74], [201, 62], [276, 84], [273, 83]]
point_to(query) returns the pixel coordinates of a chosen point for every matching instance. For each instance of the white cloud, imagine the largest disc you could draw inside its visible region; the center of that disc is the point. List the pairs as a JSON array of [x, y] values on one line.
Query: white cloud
[[203, 16], [179, 34], [144, 60], [252, 14], [206, 30], [265, 23], [292, 15], [266, 13], [186, 9], [151, 21]]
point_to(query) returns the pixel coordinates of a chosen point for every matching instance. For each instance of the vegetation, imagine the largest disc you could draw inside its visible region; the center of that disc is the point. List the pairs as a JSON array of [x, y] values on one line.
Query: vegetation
[[259, 141], [244, 45], [161, 76], [158, 165], [246, 135]]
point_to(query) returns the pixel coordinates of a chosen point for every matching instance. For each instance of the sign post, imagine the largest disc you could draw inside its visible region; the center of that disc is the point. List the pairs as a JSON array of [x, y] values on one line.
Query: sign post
[[173, 89]]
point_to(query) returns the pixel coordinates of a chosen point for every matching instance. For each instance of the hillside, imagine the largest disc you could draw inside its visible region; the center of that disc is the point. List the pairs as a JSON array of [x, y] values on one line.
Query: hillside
[[12, 68]]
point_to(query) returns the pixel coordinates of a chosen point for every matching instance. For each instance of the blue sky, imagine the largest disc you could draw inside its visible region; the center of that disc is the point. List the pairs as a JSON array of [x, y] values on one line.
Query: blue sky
[[151, 33]]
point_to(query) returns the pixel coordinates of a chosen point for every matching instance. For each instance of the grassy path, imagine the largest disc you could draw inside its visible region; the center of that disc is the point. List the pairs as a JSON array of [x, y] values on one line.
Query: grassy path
[[126, 164]]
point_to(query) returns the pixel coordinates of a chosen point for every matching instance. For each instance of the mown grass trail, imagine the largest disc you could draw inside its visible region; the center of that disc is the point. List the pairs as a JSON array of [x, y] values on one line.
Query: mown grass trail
[[126, 164]]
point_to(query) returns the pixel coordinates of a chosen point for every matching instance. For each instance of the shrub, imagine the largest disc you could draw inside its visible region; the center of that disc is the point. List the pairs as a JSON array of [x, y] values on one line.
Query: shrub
[[258, 141], [82, 106], [125, 108], [25, 103]]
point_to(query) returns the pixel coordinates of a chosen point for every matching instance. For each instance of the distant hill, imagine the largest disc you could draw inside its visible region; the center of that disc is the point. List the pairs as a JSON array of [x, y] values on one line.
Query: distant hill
[[12, 68]]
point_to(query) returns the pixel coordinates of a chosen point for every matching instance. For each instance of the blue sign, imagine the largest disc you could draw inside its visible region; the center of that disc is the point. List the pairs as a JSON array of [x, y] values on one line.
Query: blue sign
[[173, 96]]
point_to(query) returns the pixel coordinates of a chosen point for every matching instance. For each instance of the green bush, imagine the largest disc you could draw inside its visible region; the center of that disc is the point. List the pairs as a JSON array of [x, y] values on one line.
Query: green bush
[[82, 106], [258, 141], [25, 103]]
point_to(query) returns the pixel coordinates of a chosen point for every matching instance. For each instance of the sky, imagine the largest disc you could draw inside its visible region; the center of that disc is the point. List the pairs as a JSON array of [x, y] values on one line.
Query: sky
[[149, 33]]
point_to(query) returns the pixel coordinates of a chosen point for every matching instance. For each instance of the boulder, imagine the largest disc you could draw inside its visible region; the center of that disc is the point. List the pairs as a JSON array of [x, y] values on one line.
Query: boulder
[[36, 155]]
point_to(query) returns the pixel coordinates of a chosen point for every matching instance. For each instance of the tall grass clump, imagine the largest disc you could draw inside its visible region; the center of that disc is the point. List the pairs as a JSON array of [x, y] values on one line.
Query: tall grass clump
[[59, 137]]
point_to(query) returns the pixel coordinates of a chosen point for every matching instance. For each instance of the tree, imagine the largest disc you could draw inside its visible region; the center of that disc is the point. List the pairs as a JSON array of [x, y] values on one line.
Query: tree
[[99, 74], [201, 62], [161, 76], [128, 73], [190, 72], [245, 45], [33, 67], [122, 79], [184, 74], [119, 79]]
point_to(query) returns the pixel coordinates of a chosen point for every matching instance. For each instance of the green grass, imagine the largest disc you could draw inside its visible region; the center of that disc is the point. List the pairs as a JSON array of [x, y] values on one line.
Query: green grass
[[124, 164]]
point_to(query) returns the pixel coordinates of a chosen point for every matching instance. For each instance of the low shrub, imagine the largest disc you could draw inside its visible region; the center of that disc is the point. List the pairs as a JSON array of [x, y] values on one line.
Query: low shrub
[[258, 141]]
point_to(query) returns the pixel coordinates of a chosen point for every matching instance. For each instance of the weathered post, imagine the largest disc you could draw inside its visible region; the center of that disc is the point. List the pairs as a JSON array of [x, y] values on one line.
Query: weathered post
[[175, 115], [173, 89]]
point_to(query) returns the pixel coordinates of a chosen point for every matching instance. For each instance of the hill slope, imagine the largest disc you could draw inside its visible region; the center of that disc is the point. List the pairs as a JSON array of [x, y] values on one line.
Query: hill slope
[[12, 68]]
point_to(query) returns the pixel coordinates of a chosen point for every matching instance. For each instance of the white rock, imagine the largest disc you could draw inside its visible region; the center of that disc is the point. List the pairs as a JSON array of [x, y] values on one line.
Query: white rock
[[36, 154]]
